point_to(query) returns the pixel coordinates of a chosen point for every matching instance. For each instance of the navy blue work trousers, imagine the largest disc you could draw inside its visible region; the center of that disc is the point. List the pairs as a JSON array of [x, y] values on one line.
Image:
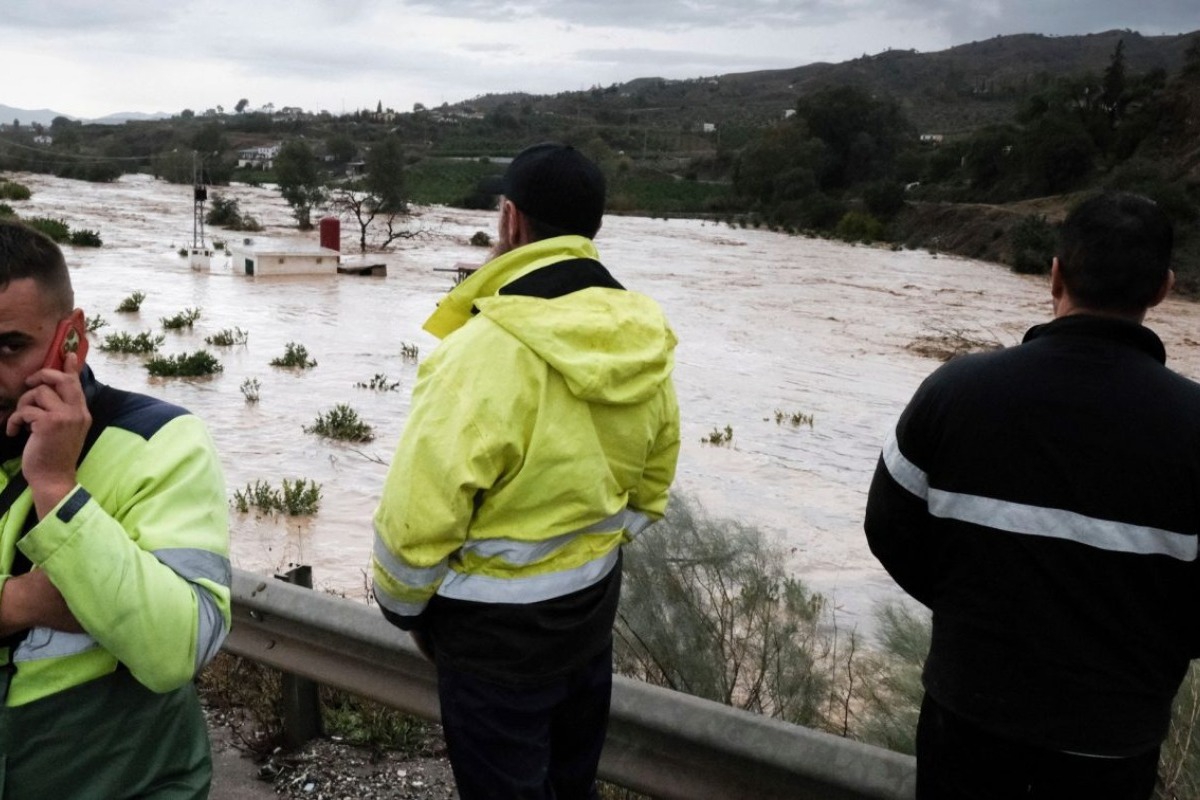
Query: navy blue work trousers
[[538, 742], [958, 761]]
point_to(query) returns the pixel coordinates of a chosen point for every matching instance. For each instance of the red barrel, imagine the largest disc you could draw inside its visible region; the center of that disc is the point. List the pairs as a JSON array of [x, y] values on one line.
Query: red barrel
[[331, 233]]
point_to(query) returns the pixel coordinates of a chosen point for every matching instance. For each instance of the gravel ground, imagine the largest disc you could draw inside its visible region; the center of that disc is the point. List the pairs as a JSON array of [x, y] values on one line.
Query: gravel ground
[[324, 769]]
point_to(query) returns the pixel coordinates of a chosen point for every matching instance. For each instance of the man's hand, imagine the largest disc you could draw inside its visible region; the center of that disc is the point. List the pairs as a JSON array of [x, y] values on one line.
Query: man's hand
[[32, 601], [55, 410]]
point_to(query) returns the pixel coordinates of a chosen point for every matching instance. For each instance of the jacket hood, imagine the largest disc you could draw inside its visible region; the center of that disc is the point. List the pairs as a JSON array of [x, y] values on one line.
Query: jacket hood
[[612, 346], [454, 310]]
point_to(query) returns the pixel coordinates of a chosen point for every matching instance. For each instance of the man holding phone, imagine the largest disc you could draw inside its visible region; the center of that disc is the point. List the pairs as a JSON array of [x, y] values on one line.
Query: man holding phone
[[114, 571]]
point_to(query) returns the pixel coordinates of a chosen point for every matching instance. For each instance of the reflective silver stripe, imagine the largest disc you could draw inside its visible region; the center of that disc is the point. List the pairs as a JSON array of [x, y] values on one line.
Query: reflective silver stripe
[[903, 471], [397, 606], [210, 632], [522, 554], [1056, 523], [401, 571], [636, 522], [193, 564], [42, 643], [533, 589]]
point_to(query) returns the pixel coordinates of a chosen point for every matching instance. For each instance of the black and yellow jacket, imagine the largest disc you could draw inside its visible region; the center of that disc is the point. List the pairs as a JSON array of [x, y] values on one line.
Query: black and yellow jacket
[[139, 551]]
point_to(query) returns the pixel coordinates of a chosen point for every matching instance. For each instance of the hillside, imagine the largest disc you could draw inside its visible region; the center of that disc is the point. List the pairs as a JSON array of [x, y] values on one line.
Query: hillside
[[951, 91]]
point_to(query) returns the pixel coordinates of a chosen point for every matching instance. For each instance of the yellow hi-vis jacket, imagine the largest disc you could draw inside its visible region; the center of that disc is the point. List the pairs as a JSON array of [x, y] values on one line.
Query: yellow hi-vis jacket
[[543, 434], [139, 551]]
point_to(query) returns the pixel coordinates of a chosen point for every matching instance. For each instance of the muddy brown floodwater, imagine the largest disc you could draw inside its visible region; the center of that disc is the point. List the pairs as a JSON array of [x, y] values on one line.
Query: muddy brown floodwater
[[765, 321]]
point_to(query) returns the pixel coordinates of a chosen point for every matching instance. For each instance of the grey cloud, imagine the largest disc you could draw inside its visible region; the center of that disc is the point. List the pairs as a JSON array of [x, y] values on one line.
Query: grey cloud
[[72, 16], [703, 63], [647, 15]]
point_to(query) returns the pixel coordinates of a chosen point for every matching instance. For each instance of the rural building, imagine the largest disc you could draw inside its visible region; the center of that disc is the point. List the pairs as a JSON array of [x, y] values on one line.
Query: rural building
[[258, 157], [282, 257]]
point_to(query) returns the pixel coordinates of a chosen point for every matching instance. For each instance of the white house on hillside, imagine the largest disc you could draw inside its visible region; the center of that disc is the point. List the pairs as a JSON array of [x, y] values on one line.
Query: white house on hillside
[[258, 157]]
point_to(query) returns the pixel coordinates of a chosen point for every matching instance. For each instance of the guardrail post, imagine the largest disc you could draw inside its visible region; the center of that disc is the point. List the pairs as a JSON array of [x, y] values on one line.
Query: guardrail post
[[301, 696]]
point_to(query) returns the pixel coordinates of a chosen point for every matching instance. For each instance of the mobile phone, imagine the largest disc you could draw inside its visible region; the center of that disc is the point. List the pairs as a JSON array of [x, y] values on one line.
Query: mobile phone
[[69, 337]]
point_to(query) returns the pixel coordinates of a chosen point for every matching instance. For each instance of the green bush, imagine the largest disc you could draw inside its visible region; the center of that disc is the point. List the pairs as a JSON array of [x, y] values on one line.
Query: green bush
[[144, 342], [250, 389], [184, 365], [228, 338], [56, 229], [301, 497], [184, 319], [342, 423], [379, 383], [226, 213], [294, 355], [858, 226], [86, 238], [890, 693], [6, 210], [132, 303], [10, 190], [726, 622], [1033, 242], [95, 323]]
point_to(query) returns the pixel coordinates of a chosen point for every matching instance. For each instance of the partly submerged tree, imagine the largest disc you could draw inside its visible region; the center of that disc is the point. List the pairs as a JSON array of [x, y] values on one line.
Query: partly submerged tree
[[299, 176], [708, 608]]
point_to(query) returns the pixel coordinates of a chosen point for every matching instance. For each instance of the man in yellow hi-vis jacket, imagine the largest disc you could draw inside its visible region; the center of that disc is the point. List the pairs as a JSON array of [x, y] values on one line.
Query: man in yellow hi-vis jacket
[[543, 435], [114, 570]]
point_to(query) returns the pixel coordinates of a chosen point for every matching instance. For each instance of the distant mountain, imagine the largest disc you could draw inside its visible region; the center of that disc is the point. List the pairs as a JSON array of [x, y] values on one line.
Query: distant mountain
[[128, 116], [45, 116], [42, 116]]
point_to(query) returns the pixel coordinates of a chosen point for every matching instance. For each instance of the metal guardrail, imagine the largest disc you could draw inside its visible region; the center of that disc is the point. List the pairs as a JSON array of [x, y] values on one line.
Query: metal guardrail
[[660, 742]]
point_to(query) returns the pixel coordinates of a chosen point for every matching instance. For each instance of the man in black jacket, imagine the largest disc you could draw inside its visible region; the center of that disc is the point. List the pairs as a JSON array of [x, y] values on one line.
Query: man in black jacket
[[1044, 502]]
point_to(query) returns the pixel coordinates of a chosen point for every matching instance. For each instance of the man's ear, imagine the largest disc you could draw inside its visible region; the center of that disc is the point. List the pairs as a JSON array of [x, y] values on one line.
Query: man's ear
[[519, 232], [1164, 290]]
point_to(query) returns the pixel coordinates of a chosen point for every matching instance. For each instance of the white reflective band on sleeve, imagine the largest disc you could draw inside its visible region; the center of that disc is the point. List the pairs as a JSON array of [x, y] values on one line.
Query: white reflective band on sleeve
[[394, 605], [903, 471], [533, 589], [44, 643], [522, 554], [210, 631], [401, 571], [1056, 523]]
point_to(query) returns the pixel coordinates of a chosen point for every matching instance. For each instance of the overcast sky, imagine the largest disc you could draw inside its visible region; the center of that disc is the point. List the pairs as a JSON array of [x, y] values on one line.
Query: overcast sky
[[89, 58]]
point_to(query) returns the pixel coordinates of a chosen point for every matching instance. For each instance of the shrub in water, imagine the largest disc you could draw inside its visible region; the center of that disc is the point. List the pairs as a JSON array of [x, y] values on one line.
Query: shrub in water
[[342, 423], [132, 303], [294, 355], [227, 337], [184, 365], [184, 319], [144, 342]]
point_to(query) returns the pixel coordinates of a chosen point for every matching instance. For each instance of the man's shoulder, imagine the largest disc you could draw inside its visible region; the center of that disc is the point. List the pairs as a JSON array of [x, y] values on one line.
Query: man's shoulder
[[139, 414]]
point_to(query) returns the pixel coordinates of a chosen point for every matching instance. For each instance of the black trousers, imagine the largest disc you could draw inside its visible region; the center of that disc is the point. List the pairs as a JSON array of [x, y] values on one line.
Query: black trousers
[[958, 761], [538, 742]]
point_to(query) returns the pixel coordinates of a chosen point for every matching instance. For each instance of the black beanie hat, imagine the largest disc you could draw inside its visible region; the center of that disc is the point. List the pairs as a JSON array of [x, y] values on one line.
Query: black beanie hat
[[557, 185]]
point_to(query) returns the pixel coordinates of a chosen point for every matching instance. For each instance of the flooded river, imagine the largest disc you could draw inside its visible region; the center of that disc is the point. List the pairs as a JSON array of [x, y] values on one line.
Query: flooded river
[[766, 323]]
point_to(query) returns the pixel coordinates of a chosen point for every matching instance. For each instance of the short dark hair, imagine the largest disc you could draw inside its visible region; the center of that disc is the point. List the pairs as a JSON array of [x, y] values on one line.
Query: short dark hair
[[557, 188], [28, 253], [1114, 252]]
